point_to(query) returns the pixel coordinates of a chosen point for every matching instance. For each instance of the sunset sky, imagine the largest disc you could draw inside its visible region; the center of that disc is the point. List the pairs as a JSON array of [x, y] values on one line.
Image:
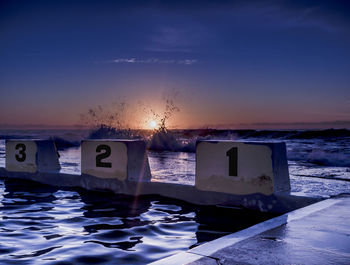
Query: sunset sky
[[232, 63]]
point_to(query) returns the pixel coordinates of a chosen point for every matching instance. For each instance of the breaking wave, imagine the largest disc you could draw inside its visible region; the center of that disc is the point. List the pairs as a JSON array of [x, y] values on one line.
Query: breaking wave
[[322, 158]]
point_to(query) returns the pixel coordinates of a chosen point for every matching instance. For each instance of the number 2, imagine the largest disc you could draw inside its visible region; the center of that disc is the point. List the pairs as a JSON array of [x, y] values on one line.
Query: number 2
[[21, 156], [103, 155], [233, 161]]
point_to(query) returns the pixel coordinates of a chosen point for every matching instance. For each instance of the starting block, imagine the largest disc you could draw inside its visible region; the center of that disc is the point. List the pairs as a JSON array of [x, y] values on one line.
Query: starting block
[[241, 168], [31, 156], [119, 159]]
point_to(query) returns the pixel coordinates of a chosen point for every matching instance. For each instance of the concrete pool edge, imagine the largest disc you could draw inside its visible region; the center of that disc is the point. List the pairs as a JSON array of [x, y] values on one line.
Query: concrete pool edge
[[207, 249], [280, 202]]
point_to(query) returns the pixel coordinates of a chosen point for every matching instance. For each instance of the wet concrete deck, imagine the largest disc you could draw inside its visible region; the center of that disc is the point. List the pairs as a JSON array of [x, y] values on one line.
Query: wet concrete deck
[[316, 234]]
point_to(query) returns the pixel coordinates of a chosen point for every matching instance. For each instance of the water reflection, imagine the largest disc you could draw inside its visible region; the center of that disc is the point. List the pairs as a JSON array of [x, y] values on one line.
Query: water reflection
[[42, 224]]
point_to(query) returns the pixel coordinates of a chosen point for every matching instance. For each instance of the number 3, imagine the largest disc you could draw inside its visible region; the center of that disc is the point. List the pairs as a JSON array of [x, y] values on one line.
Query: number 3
[[21, 156], [103, 155]]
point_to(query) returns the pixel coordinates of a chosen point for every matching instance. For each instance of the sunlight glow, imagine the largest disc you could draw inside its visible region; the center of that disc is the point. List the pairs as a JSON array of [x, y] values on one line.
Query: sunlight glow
[[153, 124]]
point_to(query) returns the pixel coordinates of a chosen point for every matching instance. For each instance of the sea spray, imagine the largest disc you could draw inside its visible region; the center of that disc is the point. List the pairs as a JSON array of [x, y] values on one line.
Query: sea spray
[[164, 139], [109, 122], [112, 116], [107, 132]]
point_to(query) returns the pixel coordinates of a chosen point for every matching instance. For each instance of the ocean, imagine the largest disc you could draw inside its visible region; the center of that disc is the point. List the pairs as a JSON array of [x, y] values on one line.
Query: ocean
[[48, 225]]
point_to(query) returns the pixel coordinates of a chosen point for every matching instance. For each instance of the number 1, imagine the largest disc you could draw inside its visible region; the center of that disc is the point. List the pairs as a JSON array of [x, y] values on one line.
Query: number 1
[[233, 161]]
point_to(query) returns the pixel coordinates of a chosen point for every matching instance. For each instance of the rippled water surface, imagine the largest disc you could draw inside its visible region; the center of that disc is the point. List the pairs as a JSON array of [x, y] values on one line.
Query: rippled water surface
[[45, 225]]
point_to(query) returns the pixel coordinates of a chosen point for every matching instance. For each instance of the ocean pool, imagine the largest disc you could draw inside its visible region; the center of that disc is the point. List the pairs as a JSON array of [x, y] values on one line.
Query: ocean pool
[[47, 225]]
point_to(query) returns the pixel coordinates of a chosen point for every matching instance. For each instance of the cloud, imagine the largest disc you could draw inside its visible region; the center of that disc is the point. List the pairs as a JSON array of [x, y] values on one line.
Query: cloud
[[155, 61]]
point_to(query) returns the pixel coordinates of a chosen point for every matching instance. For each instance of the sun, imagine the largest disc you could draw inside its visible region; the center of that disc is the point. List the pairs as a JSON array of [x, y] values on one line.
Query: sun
[[153, 124]]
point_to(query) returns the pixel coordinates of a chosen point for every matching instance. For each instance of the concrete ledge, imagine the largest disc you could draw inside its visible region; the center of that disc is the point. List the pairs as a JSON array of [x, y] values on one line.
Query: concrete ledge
[[208, 249], [278, 203]]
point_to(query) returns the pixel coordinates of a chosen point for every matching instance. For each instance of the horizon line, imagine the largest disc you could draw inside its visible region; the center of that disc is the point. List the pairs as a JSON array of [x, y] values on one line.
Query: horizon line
[[345, 124]]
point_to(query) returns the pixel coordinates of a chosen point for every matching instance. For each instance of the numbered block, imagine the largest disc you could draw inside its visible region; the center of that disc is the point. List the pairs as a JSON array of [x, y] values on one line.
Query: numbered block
[[31, 156], [119, 159], [241, 167]]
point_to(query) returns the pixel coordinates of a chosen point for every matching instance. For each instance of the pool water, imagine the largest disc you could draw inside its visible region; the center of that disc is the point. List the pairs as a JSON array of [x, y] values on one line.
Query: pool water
[[41, 224]]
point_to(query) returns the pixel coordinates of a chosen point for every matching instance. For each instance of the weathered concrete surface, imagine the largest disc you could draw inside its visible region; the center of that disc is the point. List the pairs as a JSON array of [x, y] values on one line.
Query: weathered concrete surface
[[322, 237], [278, 203]]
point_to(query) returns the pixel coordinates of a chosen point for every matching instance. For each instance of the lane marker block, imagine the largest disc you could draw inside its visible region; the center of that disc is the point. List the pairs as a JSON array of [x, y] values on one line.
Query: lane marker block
[[242, 167], [119, 159], [31, 156]]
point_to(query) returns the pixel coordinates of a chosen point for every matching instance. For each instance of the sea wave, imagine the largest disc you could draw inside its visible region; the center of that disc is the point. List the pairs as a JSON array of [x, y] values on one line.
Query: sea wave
[[321, 134], [322, 158], [62, 144]]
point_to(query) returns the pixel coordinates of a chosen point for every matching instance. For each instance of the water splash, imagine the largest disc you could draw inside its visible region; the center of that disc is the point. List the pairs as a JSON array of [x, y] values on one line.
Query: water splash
[[163, 139], [109, 122]]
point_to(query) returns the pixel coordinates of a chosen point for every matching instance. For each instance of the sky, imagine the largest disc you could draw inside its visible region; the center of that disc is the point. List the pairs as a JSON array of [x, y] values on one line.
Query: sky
[[225, 64]]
